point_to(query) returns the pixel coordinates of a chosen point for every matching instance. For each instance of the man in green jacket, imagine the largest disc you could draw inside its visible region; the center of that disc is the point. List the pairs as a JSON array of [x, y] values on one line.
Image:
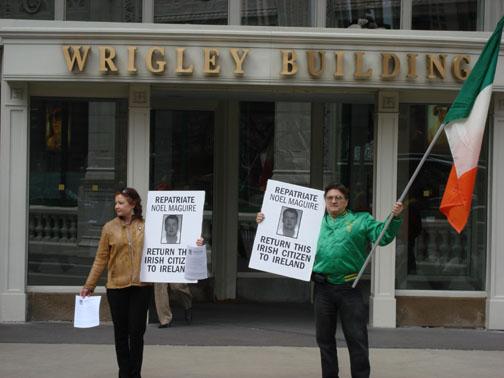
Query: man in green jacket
[[341, 251]]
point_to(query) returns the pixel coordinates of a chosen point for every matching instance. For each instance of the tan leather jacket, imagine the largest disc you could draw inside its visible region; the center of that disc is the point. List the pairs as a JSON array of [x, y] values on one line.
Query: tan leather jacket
[[120, 249]]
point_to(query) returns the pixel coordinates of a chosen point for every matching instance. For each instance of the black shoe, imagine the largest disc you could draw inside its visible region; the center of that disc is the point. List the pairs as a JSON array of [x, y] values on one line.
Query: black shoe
[[188, 315], [167, 325]]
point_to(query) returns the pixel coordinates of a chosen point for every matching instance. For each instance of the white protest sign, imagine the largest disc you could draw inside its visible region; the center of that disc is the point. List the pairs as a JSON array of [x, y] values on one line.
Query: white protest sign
[[87, 311], [286, 241], [173, 221], [196, 263]]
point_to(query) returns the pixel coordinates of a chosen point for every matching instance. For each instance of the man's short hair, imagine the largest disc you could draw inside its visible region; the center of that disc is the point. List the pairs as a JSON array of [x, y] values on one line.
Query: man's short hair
[[171, 217], [289, 210]]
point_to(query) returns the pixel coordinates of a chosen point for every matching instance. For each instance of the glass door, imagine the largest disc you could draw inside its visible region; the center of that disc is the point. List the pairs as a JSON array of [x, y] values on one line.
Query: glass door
[[182, 155]]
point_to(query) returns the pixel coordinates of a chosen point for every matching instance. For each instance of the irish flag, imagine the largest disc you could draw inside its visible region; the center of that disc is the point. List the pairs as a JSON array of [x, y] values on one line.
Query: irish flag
[[465, 125]]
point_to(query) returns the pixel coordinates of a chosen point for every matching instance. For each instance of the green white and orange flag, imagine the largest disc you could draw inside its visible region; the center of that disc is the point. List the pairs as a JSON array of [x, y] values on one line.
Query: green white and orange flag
[[465, 126]]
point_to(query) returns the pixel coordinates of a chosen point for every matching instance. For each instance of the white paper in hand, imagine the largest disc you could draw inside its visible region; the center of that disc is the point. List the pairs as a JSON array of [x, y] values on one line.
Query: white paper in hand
[[87, 311], [196, 263]]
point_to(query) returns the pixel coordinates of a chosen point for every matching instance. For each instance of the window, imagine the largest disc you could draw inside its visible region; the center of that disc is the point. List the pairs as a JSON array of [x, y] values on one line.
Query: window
[[349, 151], [430, 254], [182, 154], [274, 143], [99, 10], [363, 14], [210, 12], [30, 10], [77, 163], [276, 12], [445, 15]]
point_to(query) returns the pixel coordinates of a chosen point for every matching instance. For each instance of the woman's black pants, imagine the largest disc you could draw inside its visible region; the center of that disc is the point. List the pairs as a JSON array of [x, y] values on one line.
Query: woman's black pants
[[332, 301], [128, 307]]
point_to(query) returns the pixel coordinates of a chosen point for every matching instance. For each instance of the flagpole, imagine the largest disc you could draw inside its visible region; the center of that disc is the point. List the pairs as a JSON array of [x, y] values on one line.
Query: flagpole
[[401, 199]]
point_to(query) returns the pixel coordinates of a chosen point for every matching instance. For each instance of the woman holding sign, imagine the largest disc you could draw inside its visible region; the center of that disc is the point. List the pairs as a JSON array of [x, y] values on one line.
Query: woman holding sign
[[120, 250], [341, 251]]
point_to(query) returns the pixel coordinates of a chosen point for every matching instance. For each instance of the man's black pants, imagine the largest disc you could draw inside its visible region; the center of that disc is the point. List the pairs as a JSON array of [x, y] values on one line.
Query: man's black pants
[[128, 307], [332, 301]]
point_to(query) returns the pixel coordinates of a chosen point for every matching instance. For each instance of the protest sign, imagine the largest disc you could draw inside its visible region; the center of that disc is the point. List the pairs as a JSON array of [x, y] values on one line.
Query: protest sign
[[196, 263], [173, 221], [87, 311], [286, 241]]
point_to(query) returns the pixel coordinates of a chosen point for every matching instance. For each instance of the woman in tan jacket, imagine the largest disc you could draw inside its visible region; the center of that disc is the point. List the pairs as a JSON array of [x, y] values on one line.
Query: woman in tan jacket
[[120, 250]]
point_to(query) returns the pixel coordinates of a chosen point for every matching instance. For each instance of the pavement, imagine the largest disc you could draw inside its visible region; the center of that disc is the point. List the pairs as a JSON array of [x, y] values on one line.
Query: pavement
[[245, 340]]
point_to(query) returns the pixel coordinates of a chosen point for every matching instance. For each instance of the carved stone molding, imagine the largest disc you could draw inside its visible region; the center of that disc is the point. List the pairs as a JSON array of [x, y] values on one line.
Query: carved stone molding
[[139, 96], [16, 95], [498, 107], [388, 102]]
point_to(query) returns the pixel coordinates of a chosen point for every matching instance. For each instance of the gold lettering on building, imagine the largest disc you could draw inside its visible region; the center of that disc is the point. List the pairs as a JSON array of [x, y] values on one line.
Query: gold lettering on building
[[155, 60], [239, 60], [107, 56], [412, 74], [132, 59], [76, 56], [316, 63], [391, 66], [159, 65], [210, 66], [289, 64], [436, 66], [458, 71], [180, 69], [359, 66], [340, 65]]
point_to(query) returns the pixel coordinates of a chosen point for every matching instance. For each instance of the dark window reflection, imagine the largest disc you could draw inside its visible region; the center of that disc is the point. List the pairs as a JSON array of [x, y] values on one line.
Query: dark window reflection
[[77, 162], [276, 12], [99, 10], [349, 151], [444, 15], [430, 254], [275, 142], [257, 143], [209, 12], [30, 10], [363, 14], [182, 150]]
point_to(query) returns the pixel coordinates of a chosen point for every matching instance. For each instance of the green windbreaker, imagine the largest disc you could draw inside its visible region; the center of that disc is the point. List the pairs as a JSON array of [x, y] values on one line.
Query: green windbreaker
[[343, 244]]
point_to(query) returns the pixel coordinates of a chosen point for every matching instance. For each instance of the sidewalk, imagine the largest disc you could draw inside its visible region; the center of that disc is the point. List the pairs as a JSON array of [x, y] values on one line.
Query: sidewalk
[[245, 340]]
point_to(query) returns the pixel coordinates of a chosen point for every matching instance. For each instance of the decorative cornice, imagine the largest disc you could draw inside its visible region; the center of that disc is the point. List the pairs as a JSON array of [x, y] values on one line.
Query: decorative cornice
[[316, 37]]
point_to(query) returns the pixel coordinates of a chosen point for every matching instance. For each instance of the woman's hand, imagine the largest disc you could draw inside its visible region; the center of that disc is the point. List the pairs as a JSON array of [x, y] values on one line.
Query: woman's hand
[[86, 292], [397, 209], [200, 242], [259, 217]]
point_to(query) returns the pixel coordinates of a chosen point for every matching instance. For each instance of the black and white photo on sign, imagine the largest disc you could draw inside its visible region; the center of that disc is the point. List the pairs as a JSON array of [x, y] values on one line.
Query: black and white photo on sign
[[289, 221], [171, 228]]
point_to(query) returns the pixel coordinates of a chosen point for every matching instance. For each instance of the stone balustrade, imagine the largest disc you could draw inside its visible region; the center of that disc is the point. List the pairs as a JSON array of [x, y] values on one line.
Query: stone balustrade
[[53, 224]]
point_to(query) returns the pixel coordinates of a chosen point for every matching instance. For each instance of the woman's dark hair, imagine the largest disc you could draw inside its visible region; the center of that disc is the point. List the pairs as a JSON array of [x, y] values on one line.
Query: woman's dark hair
[[132, 196], [336, 185]]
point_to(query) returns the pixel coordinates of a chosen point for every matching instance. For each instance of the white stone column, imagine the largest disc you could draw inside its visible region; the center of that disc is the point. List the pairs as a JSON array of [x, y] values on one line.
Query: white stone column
[[382, 301], [495, 263], [138, 139], [13, 200], [148, 11], [406, 10], [492, 13]]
